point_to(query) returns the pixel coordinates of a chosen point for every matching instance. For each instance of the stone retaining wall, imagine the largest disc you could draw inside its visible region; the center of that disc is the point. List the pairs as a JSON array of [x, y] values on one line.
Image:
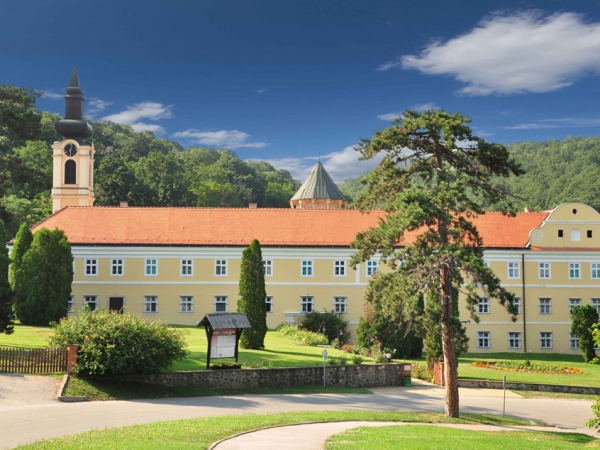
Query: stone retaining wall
[[367, 375], [488, 384]]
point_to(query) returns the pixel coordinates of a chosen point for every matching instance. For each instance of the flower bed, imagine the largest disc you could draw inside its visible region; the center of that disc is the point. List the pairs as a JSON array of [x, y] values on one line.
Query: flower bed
[[528, 366]]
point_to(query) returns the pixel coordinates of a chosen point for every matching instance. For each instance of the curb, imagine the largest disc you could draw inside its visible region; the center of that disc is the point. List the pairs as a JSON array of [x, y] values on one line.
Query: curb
[[67, 398]]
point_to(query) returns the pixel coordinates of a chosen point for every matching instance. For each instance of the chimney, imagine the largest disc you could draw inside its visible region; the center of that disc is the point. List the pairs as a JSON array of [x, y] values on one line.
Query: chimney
[[124, 204], [252, 205], [528, 209]]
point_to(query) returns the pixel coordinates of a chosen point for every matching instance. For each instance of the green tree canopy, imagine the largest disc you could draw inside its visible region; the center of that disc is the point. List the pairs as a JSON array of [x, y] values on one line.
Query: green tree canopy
[[435, 176], [252, 297], [43, 282], [22, 243], [6, 294], [583, 320]]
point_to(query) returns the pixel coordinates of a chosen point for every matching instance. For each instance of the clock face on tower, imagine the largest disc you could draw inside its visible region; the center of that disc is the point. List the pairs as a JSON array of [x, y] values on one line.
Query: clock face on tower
[[70, 149]]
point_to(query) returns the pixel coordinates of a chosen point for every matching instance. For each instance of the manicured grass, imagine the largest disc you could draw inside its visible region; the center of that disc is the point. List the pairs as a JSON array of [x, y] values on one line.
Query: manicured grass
[[105, 390], [590, 377], [26, 336], [541, 394], [431, 438], [201, 433]]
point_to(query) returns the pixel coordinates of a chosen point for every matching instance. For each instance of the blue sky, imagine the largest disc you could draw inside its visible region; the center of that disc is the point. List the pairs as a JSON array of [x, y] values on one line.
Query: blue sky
[[288, 81]]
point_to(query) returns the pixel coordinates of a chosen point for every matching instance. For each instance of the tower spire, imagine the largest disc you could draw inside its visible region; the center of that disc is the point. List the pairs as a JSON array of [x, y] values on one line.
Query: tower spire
[[73, 126]]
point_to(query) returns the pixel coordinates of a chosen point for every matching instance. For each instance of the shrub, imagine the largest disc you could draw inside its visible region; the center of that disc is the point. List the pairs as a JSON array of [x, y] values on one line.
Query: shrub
[[111, 343], [305, 337], [356, 359], [420, 371], [328, 323], [337, 360]]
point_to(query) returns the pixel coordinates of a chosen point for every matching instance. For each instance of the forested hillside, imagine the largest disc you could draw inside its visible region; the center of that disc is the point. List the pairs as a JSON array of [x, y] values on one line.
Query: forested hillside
[[137, 167]]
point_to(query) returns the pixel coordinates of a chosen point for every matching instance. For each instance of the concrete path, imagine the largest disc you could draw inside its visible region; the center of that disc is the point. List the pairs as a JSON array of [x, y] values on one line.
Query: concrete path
[[24, 423], [313, 436], [21, 389]]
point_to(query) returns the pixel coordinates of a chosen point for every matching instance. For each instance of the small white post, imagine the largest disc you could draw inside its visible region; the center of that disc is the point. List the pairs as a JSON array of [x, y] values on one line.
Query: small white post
[[504, 402], [325, 356]]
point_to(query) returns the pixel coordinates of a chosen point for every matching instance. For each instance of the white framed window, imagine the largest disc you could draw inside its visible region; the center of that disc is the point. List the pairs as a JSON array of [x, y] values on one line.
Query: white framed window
[[517, 303], [372, 268], [574, 302], [268, 266], [339, 268], [269, 303], [220, 303], [596, 304], [151, 267], [90, 301], [514, 339], [220, 267], [483, 305], [340, 305], [116, 267], [544, 271], [513, 270], [91, 267], [306, 304], [483, 339], [187, 267], [574, 271], [71, 304], [306, 268], [595, 267], [573, 342], [546, 339], [151, 304], [186, 304], [545, 306]]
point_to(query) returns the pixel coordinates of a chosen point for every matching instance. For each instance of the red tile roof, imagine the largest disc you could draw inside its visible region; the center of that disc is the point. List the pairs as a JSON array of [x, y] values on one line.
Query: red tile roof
[[237, 226]]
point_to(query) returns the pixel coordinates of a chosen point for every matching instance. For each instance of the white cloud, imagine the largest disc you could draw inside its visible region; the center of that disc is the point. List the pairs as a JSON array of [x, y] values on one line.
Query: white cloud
[[339, 165], [52, 95], [514, 53], [389, 117], [95, 105], [567, 122], [230, 139], [422, 107], [146, 110], [262, 91]]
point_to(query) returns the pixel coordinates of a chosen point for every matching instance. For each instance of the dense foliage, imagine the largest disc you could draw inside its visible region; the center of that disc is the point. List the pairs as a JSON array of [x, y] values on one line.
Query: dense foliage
[[328, 323], [111, 343], [434, 177], [6, 293], [583, 319], [303, 336], [43, 282], [22, 243], [386, 324], [252, 297]]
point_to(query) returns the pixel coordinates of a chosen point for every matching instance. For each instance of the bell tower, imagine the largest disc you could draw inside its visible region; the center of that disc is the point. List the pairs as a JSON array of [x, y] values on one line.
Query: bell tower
[[73, 157]]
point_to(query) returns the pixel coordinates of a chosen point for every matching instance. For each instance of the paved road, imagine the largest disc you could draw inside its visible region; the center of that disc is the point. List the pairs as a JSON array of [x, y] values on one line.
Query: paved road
[[21, 424]]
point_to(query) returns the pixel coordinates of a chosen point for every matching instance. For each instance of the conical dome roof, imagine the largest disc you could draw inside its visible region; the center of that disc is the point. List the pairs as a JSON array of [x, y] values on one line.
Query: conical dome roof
[[319, 185]]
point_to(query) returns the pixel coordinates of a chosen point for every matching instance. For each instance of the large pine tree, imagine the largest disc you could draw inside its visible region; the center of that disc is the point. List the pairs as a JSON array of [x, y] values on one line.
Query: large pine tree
[[43, 282], [252, 297], [435, 176]]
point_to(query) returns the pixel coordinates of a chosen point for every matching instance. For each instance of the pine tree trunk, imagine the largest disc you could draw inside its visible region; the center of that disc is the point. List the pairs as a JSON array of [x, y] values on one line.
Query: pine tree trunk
[[450, 373]]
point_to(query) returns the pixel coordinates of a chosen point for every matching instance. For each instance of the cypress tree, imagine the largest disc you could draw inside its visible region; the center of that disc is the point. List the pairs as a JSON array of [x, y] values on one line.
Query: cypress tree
[[6, 314], [22, 243], [252, 297], [43, 284]]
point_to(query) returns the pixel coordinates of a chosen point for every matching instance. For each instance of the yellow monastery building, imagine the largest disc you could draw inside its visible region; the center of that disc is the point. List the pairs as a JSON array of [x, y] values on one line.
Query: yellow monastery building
[[178, 264]]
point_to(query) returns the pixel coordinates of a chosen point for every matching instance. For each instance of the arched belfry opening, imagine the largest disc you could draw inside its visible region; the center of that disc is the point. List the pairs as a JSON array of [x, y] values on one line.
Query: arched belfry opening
[[70, 172]]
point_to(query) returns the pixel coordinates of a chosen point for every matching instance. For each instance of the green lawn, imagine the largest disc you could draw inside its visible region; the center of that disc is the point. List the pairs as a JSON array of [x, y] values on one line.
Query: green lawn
[[26, 337], [201, 433], [432, 438]]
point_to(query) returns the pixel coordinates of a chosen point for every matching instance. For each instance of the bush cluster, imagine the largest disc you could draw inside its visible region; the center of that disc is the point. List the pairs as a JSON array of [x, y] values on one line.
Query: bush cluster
[[420, 371], [305, 337], [111, 343], [328, 323]]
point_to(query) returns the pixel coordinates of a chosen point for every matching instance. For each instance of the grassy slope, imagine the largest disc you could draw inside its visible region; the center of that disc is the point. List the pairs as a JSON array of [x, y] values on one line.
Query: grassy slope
[[431, 438], [201, 433]]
